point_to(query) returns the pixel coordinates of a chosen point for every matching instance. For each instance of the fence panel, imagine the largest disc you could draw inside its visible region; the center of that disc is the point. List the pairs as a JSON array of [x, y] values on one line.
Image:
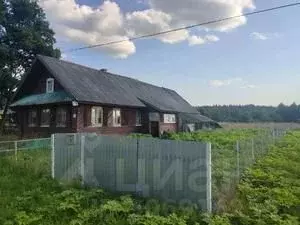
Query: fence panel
[[174, 171], [66, 156], [230, 163], [110, 162], [21, 145]]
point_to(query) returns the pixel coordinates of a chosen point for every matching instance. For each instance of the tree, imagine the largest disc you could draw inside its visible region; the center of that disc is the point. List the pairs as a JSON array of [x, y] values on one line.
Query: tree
[[252, 113], [24, 33], [1, 11]]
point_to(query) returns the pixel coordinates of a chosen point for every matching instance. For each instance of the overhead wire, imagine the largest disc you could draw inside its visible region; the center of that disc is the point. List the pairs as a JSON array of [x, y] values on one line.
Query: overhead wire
[[186, 27]]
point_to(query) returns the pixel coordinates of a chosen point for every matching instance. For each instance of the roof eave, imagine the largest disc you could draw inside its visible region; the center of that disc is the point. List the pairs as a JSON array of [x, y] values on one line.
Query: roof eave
[[110, 104]]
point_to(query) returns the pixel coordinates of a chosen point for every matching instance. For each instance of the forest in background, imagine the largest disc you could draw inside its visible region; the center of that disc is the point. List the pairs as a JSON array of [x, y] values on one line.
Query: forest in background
[[252, 113]]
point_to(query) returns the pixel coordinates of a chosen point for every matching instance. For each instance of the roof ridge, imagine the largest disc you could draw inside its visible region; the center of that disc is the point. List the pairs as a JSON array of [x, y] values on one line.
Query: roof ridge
[[102, 72], [65, 61]]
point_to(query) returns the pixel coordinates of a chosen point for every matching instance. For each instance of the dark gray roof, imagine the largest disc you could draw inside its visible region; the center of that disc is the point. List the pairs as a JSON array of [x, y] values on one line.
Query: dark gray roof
[[195, 118], [90, 85]]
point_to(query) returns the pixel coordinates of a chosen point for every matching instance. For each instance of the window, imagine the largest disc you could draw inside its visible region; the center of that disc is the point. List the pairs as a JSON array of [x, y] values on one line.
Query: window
[[32, 118], [45, 118], [138, 119], [154, 117], [61, 117], [169, 118], [97, 116], [114, 118], [49, 85]]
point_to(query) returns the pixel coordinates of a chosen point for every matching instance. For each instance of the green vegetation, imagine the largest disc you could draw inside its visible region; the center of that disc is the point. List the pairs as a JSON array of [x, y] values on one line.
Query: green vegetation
[[252, 113], [268, 194], [28, 195], [221, 139], [24, 33], [225, 175], [270, 191]]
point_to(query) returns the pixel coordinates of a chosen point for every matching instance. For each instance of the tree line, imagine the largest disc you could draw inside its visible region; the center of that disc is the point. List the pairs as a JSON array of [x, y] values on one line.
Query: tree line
[[252, 113], [24, 33]]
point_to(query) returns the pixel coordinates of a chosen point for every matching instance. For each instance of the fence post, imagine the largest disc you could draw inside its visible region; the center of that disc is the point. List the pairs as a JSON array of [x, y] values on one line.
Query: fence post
[[82, 161], [52, 156], [238, 159], [16, 149], [252, 149], [273, 136], [208, 179]]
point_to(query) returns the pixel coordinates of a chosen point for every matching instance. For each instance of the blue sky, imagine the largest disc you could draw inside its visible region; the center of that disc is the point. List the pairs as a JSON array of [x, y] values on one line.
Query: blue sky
[[254, 63]]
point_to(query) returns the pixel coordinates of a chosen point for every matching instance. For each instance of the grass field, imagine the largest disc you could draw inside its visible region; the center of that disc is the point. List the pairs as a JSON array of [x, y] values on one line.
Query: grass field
[[260, 125], [269, 193]]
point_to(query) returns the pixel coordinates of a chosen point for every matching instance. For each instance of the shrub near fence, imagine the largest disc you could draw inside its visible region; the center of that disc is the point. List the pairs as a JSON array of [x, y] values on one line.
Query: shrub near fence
[[229, 164], [232, 153], [175, 171], [7, 147]]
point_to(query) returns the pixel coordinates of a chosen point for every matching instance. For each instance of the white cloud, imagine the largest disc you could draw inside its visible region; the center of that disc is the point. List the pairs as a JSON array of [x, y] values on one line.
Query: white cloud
[[212, 38], [259, 36], [218, 83], [221, 83], [152, 21], [264, 36], [199, 11], [249, 86], [93, 25], [198, 40], [89, 26], [237, 81]]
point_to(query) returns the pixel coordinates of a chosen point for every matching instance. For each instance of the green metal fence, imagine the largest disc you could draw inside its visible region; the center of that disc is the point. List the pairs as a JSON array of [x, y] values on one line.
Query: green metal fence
[[21, 145]]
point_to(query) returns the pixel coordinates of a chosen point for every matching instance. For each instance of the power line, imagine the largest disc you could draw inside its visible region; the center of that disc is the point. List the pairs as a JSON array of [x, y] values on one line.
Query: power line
[[187, 27]]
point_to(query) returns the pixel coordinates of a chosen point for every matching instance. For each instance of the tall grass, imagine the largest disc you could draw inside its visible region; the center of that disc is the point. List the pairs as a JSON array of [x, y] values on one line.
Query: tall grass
[[30, 173]]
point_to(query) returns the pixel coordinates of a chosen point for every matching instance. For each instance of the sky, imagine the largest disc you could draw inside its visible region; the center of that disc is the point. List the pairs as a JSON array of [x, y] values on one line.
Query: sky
[[254, 60]]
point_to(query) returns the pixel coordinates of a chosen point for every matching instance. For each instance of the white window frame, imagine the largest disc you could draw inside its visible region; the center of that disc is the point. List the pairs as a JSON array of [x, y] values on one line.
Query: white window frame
[[46, 125], [138, 118], [115, 119], [170, 118], [96, 109], [30, 114], [50, 85], [63, 110]]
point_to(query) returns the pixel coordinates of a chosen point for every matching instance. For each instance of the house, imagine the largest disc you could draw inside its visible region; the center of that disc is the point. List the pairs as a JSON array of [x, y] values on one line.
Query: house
[[62, 97]]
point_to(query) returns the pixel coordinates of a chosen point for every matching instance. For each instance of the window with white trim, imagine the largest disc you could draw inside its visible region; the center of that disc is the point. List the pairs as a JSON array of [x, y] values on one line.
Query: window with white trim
[[32, 118], [49, 85], [114, 118], [45, 117], [169, 118], [138, 118], [97, 116], [61, 117]]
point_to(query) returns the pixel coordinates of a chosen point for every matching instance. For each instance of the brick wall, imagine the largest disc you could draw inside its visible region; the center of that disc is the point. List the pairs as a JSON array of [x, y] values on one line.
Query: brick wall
[[167, 127]]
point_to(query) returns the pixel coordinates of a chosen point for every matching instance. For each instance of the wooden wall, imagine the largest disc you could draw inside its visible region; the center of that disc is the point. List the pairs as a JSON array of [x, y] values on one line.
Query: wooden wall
[[38, 131], [128, 121]]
